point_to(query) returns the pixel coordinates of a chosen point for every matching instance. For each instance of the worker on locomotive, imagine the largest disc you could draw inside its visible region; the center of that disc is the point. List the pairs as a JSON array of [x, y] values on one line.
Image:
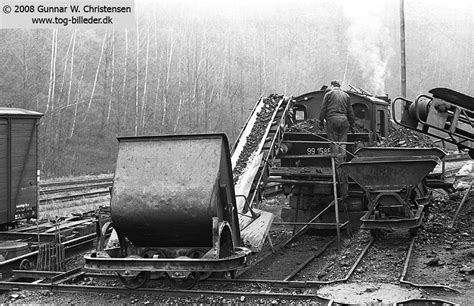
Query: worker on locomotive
[[336, 109]]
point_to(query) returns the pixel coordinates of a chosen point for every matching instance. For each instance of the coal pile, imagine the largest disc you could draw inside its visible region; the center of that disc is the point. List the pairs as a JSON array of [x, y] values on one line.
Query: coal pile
[[312, 126], [257, 133], [403, 137]]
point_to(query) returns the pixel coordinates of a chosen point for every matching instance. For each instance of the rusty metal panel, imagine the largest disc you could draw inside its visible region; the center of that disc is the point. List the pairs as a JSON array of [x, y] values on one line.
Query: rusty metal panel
[[166, 189]]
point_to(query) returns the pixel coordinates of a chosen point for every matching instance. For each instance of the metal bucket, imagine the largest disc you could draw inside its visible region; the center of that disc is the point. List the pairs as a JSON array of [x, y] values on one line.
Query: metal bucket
[[167, 189], [12, 249]]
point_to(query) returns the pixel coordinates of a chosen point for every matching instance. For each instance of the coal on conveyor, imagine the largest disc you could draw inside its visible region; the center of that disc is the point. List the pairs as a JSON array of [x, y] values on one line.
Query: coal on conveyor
[[312, 126], [257, 133]]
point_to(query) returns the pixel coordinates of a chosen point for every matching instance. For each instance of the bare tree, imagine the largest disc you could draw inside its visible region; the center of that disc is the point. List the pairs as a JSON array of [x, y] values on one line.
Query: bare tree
[[137, 83], [96, 75], [146, 76], [76, 100], [158, 65], [171, 42], [72, 67], [52, 69], [66, 60], [124, 83], [112, 78], [180, 102]]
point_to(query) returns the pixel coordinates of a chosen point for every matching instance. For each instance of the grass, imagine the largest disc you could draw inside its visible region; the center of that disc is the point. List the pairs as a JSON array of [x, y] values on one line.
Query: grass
[[66, 209]]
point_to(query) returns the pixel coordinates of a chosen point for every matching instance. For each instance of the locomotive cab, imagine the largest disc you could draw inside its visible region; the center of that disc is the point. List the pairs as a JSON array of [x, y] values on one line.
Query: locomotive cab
[[371, 113]]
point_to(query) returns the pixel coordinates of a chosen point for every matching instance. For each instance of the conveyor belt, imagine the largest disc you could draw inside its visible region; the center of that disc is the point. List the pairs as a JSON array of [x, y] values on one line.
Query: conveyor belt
[[257, 147], [253, 153]]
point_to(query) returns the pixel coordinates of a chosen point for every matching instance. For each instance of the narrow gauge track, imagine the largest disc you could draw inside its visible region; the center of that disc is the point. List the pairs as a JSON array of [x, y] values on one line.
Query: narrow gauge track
[[70, 282], [76, 196], [383, 257], [275, 264], [75, 188], [77, 182], [87, 289], [405, 254]]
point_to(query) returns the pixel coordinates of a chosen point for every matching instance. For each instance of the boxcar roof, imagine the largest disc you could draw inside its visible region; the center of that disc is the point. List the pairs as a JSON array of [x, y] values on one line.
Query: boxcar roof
[[18, 112]]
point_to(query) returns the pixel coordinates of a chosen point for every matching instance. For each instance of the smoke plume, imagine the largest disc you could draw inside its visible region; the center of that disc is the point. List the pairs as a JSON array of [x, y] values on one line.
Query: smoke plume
[[368, 42]]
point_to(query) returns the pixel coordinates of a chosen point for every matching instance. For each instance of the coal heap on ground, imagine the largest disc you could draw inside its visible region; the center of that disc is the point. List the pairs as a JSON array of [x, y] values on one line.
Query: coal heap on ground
[[403, 137]]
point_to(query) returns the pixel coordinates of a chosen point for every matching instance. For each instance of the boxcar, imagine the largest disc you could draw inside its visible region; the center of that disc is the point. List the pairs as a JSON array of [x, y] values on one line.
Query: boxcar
[[18, 165]]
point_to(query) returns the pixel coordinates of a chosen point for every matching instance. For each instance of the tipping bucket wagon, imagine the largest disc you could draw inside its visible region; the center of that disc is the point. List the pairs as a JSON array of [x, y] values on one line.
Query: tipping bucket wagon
[[173, 211], [389, 179]]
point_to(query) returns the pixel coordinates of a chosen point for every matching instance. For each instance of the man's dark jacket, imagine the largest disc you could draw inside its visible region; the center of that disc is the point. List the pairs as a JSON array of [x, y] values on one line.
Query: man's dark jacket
[[337, 103]]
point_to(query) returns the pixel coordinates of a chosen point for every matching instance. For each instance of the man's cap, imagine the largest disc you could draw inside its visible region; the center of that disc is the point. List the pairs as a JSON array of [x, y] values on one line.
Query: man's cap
[[335, 83]]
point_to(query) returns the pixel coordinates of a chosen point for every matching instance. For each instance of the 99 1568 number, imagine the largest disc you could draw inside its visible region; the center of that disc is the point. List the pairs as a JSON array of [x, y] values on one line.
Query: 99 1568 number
[[318, 151]]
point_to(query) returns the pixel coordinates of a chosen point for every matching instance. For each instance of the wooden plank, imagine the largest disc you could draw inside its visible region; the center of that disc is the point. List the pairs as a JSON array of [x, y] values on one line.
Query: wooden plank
[[19, 150], [255, 233], [19, 125], [30, 170], [245, 220]]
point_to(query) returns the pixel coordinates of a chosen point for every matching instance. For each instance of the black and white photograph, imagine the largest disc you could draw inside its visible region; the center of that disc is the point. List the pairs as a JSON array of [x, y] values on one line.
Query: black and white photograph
[[237, 152]]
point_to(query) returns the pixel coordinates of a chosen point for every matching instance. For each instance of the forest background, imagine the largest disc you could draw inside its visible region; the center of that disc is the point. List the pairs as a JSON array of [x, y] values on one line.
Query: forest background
[[200, 66]]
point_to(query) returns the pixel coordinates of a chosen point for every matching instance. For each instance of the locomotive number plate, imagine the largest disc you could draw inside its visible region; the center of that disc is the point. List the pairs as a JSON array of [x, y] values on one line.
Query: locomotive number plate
[[318, 151]]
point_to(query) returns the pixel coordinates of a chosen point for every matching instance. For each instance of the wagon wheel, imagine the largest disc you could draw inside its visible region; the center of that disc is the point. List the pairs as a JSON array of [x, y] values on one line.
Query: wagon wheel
[[199, 253], [185, 283], [25, 264], [134, 279], [153, 253]]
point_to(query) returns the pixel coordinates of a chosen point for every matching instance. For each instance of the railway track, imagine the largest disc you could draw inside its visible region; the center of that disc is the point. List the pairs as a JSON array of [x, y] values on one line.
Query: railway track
[[74, 189], [76, 182], [283, 289]]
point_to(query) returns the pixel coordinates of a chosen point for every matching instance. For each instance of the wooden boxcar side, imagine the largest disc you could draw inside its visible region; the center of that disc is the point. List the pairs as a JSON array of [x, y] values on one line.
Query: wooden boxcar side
[[18, 164]]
